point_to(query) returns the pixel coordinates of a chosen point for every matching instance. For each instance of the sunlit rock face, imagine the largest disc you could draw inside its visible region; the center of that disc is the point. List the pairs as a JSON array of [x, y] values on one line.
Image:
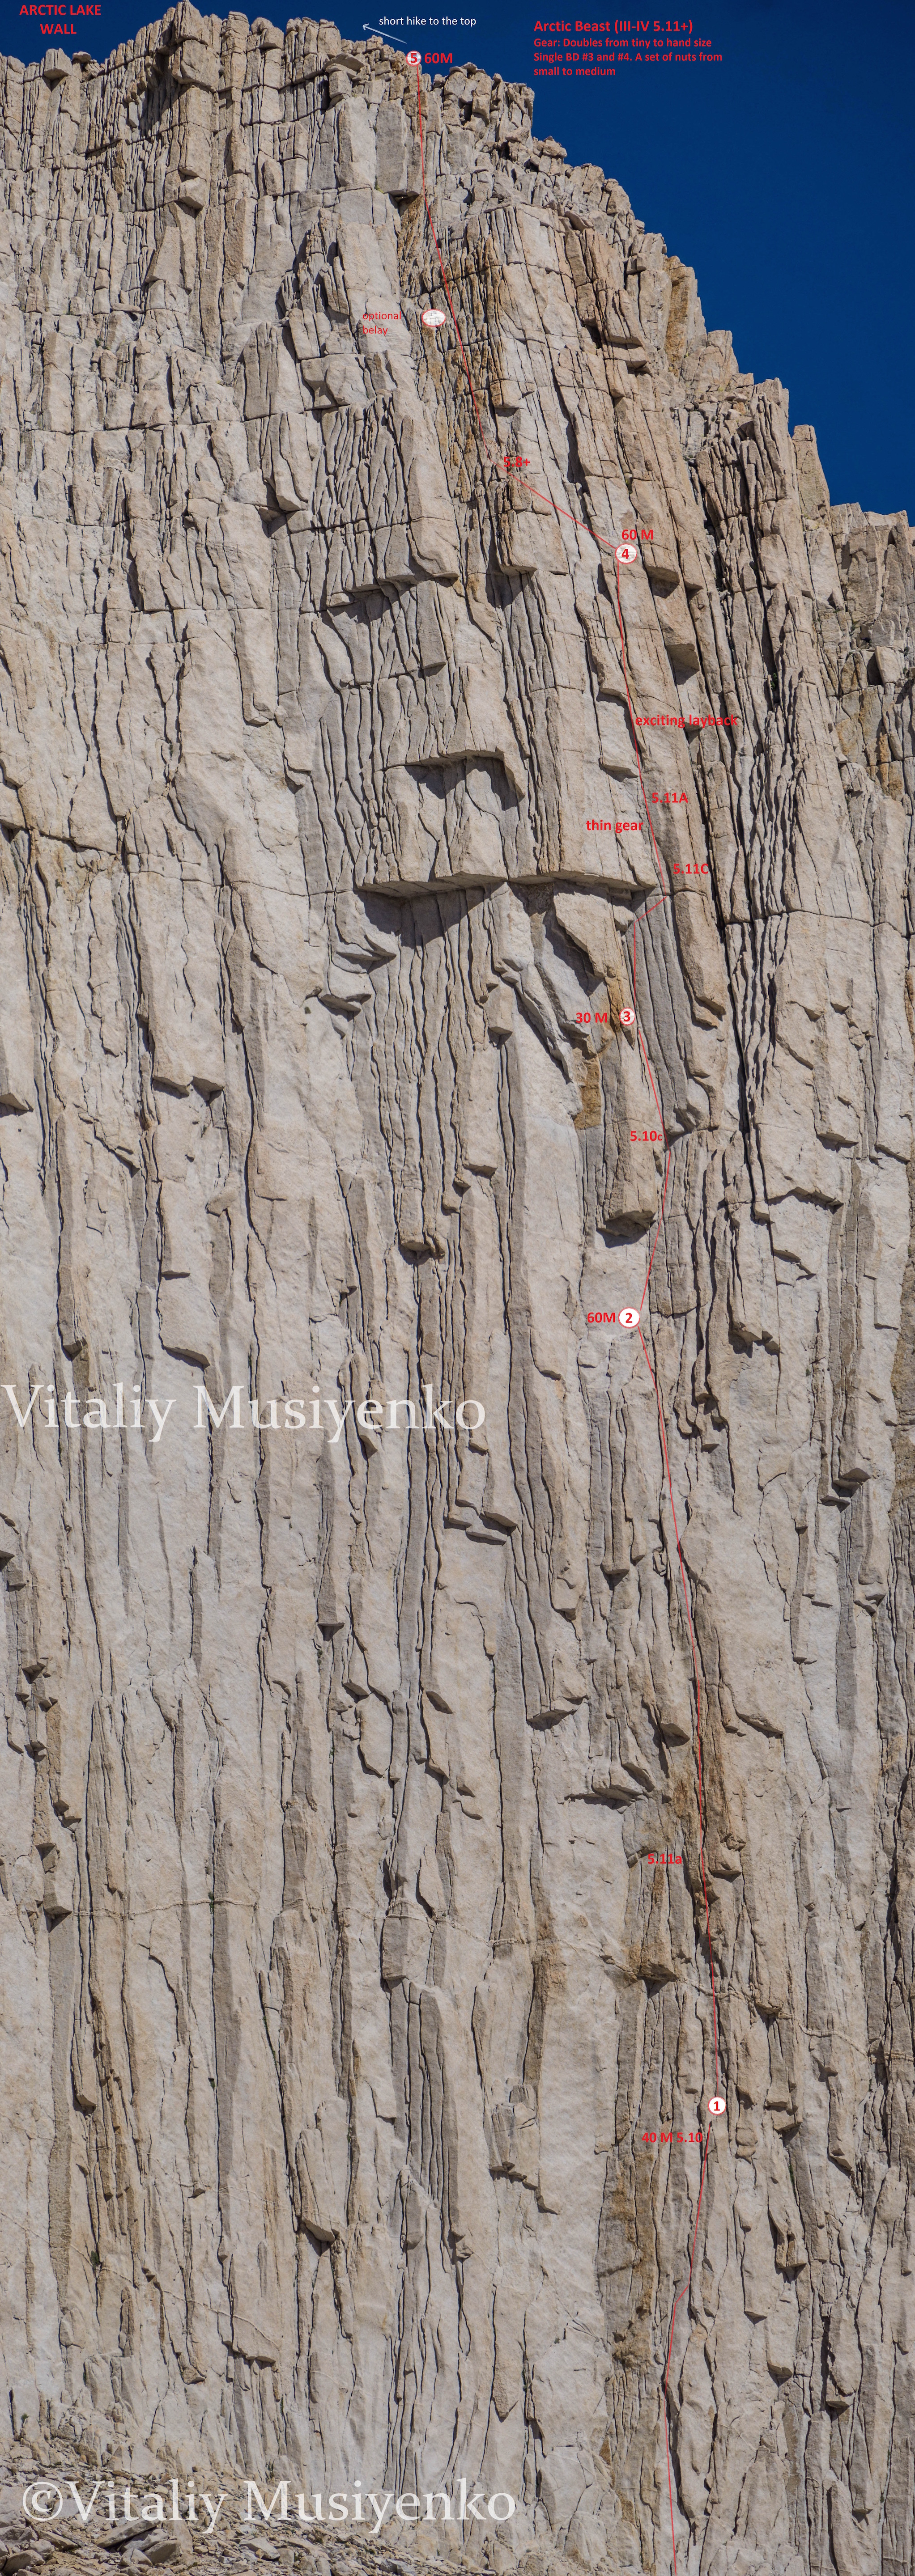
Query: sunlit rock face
[[356, 2042]]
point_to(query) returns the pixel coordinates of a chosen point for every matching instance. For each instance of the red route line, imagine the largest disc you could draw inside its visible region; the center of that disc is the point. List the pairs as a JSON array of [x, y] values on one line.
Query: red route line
[[708, 1928], [619, 613], [657, 1228], [422, 166], [656, 907], [670, 1489], [607, 543], [647, 1065], [689, 1622], [670, 2343]]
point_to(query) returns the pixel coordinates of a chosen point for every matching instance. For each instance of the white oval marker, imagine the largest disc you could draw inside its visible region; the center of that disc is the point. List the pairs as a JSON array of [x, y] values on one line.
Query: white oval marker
[[629, 1315], [626, 1019], [432, 320], [716, 2106], [627, 554], [414, 58]]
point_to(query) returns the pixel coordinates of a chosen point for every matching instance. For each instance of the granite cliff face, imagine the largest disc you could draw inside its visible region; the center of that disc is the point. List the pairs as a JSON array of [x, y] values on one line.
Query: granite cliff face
[[345, 2001]]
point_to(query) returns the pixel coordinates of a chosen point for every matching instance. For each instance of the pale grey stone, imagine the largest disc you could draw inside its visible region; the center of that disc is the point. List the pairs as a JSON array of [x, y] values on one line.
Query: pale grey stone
[[338, 1989]]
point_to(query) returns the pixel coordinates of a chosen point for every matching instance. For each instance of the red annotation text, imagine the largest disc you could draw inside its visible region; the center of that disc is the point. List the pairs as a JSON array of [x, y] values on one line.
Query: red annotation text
[[613, 827], [596, 48]]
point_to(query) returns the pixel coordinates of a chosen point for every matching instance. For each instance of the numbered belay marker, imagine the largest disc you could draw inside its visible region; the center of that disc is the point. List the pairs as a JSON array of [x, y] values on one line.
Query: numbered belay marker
[[626, 1019], [627, 554], [629, 1315], [432, 320], [717, 2105]]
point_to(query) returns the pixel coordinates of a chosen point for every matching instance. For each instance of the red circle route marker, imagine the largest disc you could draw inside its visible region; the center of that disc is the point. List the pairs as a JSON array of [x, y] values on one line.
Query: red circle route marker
[[626, 1019], [432, 321], [629, 1316], [625, 554], [414, 58]]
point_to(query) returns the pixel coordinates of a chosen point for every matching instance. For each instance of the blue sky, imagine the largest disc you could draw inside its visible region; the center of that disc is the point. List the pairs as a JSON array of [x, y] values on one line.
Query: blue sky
[[785, 176]]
